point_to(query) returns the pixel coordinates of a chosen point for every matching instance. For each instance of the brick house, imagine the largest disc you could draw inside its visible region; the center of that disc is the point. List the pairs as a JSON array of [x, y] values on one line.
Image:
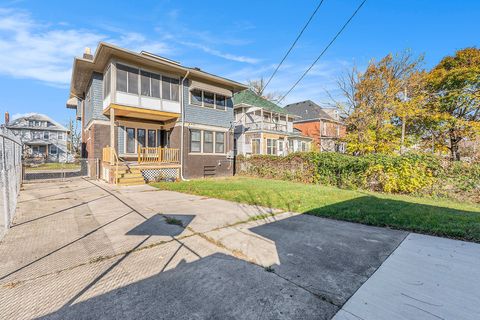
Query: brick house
[[145, 117], [322, 124]]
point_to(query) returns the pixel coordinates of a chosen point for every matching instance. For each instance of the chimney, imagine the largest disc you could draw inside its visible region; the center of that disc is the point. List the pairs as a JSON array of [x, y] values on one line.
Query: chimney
[[7, 117], [87, 54]]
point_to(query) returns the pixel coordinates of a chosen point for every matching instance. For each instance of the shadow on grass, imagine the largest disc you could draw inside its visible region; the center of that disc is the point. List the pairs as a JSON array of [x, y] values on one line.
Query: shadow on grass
[[422, 218]]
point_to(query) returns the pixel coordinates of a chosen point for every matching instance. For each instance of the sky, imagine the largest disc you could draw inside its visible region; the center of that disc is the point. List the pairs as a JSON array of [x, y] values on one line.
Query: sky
[[240, 40]]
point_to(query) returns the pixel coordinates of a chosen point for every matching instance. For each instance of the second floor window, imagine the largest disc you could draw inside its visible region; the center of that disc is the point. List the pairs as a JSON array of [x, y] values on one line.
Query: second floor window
[[46, 135], [208, 99], [127, 79]]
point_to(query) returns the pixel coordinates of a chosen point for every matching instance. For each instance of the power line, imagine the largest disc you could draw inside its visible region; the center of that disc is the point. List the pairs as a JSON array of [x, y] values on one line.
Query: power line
[[324, 50], [293, 45]]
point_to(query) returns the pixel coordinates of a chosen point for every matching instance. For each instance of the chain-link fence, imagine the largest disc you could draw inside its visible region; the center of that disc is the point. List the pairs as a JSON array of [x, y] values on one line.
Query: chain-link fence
[[10, 177]]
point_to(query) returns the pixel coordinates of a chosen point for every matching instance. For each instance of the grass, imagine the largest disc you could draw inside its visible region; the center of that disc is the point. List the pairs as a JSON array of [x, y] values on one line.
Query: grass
[[55, 166], [439, 217]]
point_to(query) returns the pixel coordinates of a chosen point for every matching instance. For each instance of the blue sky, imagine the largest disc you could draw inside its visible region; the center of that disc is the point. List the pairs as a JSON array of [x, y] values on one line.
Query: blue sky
[[240, 40]]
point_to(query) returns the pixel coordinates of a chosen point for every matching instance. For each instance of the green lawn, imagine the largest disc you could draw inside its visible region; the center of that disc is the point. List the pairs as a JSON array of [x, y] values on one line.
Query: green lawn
[[440, 217], [55, 166]]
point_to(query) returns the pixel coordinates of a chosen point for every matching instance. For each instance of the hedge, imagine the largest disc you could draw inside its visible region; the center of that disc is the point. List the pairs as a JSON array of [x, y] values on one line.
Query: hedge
[[409, 174]]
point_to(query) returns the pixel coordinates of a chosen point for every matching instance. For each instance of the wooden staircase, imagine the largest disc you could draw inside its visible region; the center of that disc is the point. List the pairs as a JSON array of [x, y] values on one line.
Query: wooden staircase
[[130, 177]]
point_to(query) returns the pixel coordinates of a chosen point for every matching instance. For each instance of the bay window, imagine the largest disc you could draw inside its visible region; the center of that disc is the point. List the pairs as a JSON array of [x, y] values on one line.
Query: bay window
[[196, 97], [208, 99]]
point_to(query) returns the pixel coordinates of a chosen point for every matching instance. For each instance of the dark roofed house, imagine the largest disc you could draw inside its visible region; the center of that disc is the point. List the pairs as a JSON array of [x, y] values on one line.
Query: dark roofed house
[[262, 127], [322, 124], [43, 137]]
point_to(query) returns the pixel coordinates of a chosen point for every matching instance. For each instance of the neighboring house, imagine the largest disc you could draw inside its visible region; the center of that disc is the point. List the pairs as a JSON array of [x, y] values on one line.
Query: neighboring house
[[43, 138], [148, 117], [262, 127], [322, 124]]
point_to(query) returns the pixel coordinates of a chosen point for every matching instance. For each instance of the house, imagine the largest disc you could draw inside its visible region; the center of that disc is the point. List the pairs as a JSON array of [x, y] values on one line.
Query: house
[[43, 138], [145, 117], [262, 127], [322, 124]]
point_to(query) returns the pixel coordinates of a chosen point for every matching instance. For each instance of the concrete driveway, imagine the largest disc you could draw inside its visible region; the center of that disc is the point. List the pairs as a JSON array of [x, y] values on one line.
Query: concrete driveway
[[85, 250]]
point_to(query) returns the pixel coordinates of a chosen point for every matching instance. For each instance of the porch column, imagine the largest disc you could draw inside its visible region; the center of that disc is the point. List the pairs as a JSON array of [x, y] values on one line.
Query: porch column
[[112, 128]]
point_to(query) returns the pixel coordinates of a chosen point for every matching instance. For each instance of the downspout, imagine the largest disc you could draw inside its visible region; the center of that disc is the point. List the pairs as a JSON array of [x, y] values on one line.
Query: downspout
[[183, 126]]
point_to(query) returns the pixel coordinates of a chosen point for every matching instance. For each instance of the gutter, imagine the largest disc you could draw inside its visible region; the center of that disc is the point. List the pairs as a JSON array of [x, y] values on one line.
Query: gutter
[[183, 126]]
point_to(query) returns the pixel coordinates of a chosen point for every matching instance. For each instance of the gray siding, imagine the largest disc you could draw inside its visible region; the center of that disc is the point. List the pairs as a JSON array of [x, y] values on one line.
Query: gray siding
[[207, 116], [94, 99]]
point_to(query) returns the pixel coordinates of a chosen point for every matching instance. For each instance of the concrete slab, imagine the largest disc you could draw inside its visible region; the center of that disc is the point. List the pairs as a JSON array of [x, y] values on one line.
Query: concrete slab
[[425, 278]]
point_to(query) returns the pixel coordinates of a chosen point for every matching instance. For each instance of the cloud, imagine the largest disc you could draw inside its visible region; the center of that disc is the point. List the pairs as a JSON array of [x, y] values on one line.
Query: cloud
[[214, 52], [30, 49]]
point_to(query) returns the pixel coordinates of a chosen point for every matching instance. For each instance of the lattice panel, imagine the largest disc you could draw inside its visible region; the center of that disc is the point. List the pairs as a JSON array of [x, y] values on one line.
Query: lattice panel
[[161, 174]]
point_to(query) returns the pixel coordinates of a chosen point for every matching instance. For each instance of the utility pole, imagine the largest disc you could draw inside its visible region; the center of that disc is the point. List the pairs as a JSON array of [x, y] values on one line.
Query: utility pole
[[404, 119]]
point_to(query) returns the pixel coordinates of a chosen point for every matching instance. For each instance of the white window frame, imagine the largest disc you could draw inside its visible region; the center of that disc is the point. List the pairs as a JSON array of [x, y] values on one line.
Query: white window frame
[[203, 100]]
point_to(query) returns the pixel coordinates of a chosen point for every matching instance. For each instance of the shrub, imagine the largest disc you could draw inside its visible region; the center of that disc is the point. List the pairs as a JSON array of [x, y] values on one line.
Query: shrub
[[410, 173]]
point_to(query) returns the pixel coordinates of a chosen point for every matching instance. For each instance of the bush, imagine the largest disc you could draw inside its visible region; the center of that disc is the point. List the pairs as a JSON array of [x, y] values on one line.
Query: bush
[[409, 174]]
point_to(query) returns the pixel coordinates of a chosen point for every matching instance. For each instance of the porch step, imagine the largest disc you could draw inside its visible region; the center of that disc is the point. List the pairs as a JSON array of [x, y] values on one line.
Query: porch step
[[129, 179]]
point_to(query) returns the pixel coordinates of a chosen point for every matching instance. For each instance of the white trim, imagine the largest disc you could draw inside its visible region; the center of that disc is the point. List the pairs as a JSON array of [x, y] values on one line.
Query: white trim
[[203, 100]]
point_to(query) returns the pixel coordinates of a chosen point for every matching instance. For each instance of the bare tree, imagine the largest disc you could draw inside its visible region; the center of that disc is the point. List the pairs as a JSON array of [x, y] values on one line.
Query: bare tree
[[258, 86]]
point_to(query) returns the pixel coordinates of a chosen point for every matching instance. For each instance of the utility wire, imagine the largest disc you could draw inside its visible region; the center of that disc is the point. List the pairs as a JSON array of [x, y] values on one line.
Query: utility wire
[[324, 50], [293, 45]]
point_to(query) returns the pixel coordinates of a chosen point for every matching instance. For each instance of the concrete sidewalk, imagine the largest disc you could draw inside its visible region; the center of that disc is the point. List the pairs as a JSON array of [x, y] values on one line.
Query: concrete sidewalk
[[86, 250]]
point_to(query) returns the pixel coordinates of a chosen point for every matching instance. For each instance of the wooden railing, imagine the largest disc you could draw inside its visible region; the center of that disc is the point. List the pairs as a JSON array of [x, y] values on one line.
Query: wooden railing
[[109, 155], [158, 155]]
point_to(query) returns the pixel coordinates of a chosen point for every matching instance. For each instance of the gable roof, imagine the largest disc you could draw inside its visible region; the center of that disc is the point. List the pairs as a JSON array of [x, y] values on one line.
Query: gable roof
[[308, 110], [23, 122], [250, 98]]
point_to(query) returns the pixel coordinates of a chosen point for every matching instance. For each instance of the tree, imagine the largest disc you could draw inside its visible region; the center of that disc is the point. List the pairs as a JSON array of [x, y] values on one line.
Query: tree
[[373, 98], [75, 137], [454, 88], [258, 87]]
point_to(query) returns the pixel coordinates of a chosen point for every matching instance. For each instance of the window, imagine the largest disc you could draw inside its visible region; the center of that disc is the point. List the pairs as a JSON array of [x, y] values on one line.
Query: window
[[46, 135], [155, 85], [255, 146], [53, 135], [145, 84], [219, 142], [166, 88], [174, 89], [106, 83], [220, 101], [196, 97], [53, 150], [141, 137], [37, 135], [208, 99], [130, 140], [60, 136], [151, 138], [195, 141], [272, 146], [290, 146], [280, 147], [207, 142], [127, 79]]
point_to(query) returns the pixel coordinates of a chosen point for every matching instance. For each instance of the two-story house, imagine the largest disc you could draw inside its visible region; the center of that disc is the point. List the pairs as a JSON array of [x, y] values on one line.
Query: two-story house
[[322, 124], [145, 117], [43, 138], [262, 127]]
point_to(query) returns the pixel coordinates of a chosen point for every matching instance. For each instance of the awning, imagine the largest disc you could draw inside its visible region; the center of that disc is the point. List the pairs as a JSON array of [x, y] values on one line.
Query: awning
[[210, 88]]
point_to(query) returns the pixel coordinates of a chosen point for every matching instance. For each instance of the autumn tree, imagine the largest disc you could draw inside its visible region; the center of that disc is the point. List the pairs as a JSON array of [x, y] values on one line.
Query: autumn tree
[[454, 88], [374, 97]]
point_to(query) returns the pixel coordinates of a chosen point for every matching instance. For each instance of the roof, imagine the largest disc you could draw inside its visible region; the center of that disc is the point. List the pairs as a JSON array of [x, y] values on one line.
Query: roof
[[308, 110], [83, 68], [250, 98], [23, 122]]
